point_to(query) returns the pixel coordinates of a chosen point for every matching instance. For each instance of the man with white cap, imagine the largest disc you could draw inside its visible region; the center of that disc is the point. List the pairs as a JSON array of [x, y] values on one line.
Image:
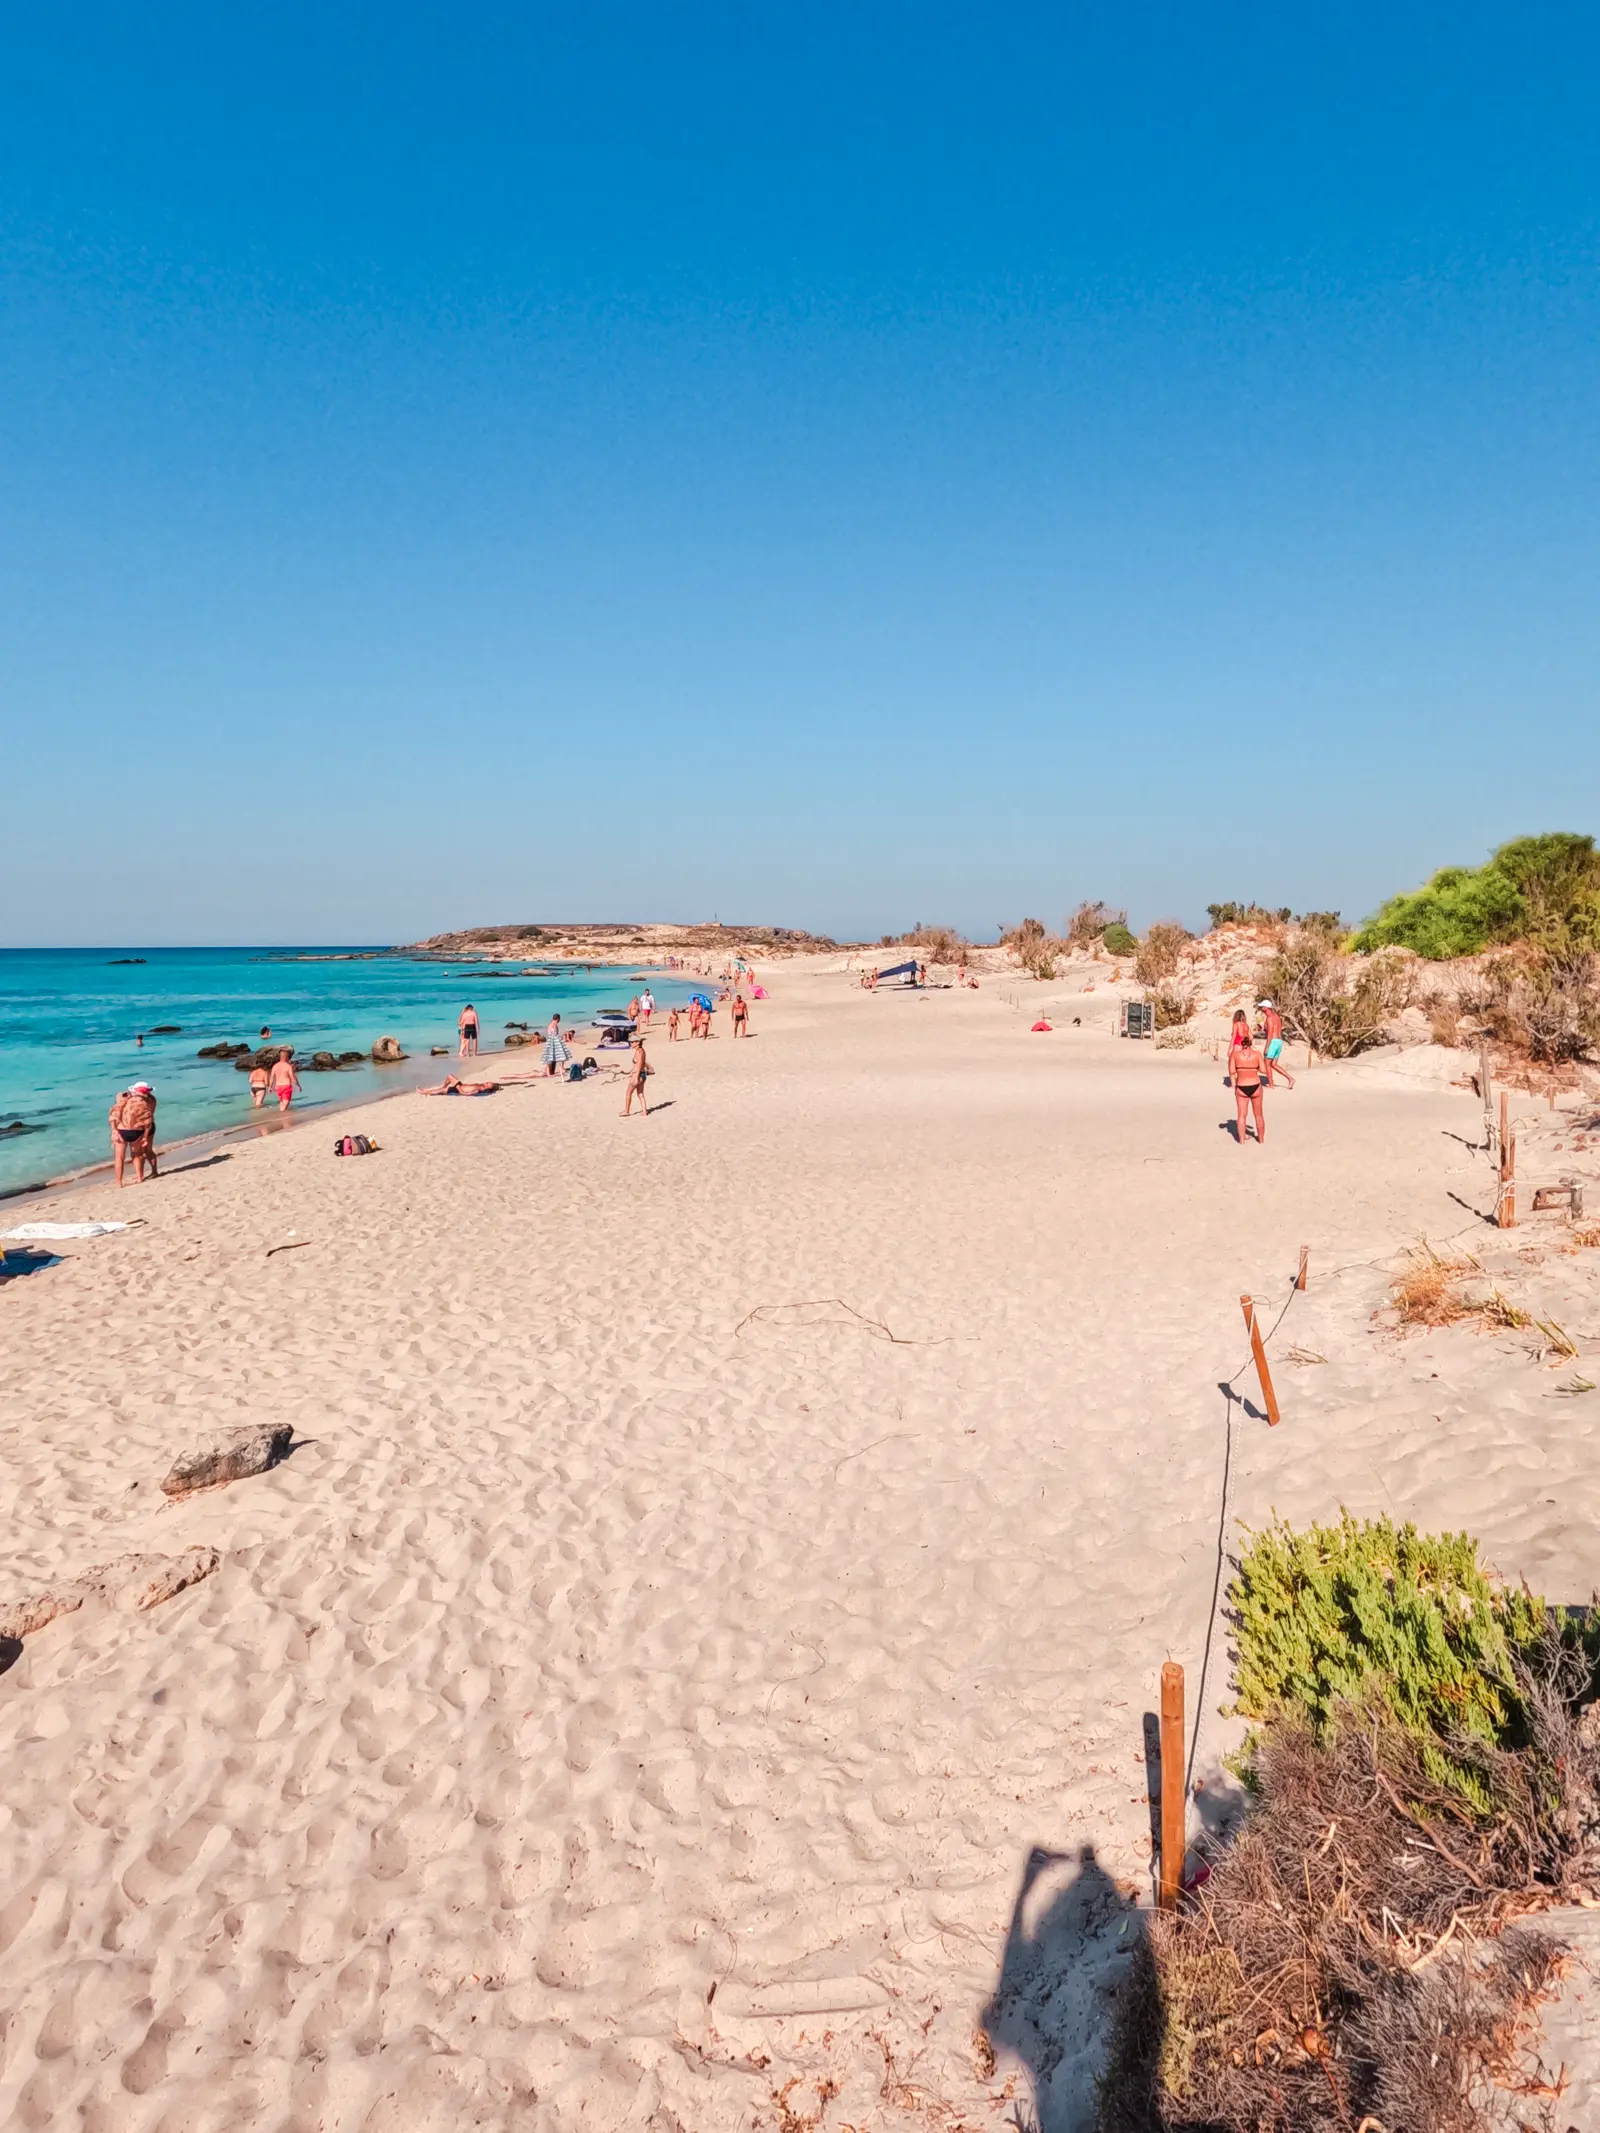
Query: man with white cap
[[133, 1131], [1272, 1030]]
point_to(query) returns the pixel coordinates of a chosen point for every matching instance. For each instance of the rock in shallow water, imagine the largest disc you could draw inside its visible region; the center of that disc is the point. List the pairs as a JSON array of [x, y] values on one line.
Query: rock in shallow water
[[229, 1456]]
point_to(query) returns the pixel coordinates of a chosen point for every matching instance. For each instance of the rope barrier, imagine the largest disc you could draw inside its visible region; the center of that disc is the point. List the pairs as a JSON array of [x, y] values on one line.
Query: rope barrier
[[1229, 1396]]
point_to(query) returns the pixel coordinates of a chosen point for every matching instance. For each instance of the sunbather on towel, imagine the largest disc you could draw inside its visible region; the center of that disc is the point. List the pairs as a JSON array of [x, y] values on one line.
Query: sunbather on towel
[[453, 1085]]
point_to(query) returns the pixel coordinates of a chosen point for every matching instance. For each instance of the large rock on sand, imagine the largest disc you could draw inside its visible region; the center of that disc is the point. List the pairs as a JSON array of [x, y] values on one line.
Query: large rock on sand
[[387, 1050], [229, 1456], [134, 1582]]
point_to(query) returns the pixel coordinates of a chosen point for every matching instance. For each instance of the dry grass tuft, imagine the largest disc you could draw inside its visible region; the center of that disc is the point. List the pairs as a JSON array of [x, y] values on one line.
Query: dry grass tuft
[[1160, 953], [1590, 1237], [1426, 1293]]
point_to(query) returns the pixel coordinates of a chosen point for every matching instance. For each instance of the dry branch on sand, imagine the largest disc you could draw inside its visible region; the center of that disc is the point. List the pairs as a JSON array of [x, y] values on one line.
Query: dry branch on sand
[[1427, 1776], [1429, 1293], [1353, 1957]]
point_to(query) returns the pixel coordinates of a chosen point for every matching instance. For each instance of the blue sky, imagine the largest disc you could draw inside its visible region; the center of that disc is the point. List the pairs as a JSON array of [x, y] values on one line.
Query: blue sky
[[822, 465]]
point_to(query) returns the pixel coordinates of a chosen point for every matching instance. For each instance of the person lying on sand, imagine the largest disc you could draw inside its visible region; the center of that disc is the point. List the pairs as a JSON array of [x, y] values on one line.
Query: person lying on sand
[[453, 1085]]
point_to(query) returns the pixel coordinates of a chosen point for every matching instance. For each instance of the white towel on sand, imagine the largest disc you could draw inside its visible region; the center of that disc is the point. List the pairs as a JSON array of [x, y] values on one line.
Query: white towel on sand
[[54, 1232]]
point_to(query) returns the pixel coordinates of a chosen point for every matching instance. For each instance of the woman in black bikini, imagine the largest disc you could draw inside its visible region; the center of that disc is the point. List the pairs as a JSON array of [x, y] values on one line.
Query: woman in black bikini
[[1247, 1067]]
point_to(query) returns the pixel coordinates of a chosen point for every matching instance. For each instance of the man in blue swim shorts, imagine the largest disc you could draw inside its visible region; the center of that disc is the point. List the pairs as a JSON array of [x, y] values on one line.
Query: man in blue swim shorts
[[1272, 1031]]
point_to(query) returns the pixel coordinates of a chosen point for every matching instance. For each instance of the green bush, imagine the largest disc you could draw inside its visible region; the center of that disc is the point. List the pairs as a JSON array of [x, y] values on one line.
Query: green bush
[[1237, 914], [1383, 1616], [1118, 939], [1544, 889], [1459, 912]]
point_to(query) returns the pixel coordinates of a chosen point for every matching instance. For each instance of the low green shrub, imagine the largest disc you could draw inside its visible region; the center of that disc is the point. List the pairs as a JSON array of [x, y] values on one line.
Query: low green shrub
[[1118, 939], [1381, 1616]]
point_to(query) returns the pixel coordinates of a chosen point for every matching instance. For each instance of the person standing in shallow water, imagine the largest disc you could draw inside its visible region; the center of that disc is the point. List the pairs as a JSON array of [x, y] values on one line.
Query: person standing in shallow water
[[467, 1024], [282, 1079]]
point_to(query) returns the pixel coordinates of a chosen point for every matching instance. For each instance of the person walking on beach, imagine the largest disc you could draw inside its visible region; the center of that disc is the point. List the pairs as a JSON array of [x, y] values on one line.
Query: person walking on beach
[[741, 1015], [1272, 1032], [672, 1027], [1247, 1066], [133, 1125], [647, 1006], [283, 1081], [258, 1086], [555, 1053], [467, 1024], [638, 1074]]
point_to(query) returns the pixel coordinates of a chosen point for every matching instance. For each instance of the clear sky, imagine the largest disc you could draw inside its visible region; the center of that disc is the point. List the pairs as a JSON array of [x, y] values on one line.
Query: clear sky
[[826, 465]]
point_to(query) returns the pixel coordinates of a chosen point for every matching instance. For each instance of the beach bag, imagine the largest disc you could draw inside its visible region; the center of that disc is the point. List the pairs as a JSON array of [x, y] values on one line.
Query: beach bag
[[353, 1144]]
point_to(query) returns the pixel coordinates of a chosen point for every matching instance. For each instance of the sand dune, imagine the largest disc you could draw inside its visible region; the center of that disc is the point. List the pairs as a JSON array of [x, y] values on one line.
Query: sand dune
[[646, 1690]]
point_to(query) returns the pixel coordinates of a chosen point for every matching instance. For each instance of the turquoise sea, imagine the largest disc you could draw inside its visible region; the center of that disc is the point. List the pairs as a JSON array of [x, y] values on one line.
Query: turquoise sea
[[69, 1018]]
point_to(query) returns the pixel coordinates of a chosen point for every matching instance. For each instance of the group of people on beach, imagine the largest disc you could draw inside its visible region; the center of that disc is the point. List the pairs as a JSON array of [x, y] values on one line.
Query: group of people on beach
[[1251, 1070], [132, 1115]]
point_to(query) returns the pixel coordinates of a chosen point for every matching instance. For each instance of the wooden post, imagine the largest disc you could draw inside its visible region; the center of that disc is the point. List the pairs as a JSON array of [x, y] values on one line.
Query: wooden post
[[1488, 1100], [1269, 1399], [1174, 1819], [1506, 1211], [1300, 1280]]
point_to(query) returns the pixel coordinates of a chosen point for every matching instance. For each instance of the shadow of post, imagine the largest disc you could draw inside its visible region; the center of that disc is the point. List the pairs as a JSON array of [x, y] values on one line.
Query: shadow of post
[[1072, 1941]]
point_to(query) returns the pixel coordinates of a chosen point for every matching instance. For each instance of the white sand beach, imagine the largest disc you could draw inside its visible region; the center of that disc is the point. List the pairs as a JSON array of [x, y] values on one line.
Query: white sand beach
[[726, 1558]]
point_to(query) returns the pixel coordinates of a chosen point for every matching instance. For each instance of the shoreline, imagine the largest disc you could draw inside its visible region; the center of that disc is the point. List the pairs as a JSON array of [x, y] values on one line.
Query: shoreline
[[259, 1126], [79, 1165]]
